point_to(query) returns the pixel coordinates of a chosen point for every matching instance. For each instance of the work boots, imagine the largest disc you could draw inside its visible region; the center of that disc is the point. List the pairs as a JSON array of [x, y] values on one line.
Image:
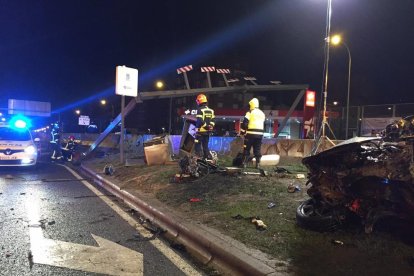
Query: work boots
[[245, 161], [258, 162]]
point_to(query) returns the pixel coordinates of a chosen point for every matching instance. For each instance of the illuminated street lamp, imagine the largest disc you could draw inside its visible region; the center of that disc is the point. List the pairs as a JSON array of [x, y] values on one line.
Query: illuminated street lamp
[[77, 111], [336, 40], [159, 84]]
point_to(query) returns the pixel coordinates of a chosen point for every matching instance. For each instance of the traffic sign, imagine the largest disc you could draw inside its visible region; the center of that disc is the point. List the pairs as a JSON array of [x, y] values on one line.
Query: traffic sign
[[84, 120], [126, 81]]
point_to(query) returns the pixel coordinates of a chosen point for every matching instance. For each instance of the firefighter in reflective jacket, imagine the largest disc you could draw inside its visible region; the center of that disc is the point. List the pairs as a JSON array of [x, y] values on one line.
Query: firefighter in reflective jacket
[[252, 128], [55, 142], [204, 127], [69, 148]]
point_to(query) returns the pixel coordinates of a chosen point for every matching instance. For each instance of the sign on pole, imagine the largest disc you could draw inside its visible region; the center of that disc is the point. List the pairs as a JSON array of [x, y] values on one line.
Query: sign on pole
[[84, 120], [29, 108], [126, 83]]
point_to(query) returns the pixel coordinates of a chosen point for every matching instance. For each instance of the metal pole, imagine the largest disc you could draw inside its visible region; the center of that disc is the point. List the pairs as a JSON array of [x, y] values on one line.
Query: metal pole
[[225, 80], [208, 79], [121, 142], [349, 89], [325, 92], [169, 122], [187, 84]]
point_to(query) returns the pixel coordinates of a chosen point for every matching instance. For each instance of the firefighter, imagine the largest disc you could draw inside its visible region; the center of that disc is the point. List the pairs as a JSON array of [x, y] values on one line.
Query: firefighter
[[204, 127], [69, 148], [252, 129], [55, 142]]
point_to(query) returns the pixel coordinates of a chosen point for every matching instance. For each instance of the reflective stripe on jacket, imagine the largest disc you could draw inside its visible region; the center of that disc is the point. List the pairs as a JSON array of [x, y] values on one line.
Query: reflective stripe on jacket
[[254, 122], [205, 119]]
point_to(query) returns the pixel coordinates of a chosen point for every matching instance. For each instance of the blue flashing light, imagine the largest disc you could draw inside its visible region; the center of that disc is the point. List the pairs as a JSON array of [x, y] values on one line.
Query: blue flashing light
[[20, 122]]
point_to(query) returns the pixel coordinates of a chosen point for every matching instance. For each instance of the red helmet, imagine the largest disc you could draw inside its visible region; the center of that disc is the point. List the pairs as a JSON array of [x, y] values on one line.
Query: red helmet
[[201, 99]]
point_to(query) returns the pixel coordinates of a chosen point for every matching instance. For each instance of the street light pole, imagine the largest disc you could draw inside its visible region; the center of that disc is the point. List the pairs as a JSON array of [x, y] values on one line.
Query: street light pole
[[349, 89]]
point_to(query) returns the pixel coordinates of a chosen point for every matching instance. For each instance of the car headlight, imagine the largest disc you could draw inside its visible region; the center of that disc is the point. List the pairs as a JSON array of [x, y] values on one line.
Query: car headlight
[[30, 150]]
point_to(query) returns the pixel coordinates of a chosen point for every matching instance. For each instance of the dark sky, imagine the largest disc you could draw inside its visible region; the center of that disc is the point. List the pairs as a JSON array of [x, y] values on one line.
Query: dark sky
[[63, 51]]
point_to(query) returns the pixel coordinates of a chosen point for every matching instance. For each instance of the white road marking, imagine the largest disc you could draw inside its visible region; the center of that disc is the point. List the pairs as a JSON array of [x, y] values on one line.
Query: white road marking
[[108, 258], [176, 259]]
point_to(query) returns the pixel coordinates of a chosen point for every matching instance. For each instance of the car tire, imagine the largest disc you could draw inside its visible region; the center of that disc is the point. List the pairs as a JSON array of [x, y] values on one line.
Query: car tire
[[309, 216]]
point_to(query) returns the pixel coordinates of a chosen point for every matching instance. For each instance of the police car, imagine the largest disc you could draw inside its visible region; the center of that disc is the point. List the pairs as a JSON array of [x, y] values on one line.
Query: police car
[[17, 147]]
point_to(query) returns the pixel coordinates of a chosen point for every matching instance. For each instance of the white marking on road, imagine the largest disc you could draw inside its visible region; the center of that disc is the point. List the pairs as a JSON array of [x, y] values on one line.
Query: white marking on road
[[108, 258], [175, 258]]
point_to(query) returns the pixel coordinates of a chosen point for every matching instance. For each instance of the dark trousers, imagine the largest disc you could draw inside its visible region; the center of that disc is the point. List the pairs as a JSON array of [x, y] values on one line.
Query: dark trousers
[[201, 145], [56, 150], [254, 141]]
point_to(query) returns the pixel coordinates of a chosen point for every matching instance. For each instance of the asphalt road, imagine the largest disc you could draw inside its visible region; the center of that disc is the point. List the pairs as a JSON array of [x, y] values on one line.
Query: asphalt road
[[53, 224]]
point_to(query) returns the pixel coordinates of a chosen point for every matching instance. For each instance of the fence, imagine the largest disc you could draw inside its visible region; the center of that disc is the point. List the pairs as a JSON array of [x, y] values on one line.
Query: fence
[[359, 114]]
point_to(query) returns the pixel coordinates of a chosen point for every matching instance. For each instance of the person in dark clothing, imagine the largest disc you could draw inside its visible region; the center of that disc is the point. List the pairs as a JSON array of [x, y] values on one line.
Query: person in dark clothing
[[69, 148], [55, 142], [204, 127], [252, 128]]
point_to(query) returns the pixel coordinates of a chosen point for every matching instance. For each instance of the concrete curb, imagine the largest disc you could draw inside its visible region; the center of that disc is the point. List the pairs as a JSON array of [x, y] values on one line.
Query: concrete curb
[[203, 245]]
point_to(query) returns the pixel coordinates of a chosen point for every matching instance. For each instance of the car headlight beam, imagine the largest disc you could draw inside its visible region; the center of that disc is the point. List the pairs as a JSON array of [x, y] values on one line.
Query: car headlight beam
[[30, 150]]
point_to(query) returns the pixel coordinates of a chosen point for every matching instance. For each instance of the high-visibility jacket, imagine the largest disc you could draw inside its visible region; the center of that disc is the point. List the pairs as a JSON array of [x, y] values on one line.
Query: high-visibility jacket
[[253, 122], [54, 136], [205, 119]]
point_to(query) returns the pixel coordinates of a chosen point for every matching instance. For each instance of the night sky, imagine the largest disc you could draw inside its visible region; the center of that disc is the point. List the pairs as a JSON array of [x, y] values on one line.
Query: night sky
[[65, 51]]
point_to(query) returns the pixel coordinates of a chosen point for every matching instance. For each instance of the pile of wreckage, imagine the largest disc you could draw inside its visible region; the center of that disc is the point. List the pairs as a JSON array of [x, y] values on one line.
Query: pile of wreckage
[[370, 178]]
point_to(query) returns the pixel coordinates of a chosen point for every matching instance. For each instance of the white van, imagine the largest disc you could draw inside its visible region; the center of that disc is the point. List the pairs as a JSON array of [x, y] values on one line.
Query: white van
[[17, 147]]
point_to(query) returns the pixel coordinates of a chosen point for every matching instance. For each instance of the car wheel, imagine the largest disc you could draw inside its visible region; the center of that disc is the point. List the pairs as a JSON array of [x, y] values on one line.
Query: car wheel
[[311, 216]]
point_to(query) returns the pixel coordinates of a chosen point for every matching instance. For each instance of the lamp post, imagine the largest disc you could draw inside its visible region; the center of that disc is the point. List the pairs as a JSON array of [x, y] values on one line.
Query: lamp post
[[104, 102], [160, 86], [336, 40]]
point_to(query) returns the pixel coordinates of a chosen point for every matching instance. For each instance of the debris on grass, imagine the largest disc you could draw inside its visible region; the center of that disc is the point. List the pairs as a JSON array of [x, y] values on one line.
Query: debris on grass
[[293, 188], [271, 205], [195, 199], [259, 224], [337, 242]]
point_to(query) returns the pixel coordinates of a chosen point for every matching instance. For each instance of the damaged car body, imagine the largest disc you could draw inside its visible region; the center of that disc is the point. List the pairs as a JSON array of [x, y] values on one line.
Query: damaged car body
[[367, 178]]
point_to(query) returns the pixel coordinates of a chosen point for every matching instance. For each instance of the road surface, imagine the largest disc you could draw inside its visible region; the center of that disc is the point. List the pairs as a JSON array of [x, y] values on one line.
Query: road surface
[[53, 222]]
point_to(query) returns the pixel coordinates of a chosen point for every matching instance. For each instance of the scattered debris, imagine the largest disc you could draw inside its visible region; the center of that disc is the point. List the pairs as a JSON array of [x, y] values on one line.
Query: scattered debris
[[263, 172], [8, 254], [195, 199], [337, 242], [51, 222], [109, 169], [238, 216], [300, 176], [365, 176], [271, 205], [132, 211], [259, 224], [282, 170], [293, 188], [22, 193]]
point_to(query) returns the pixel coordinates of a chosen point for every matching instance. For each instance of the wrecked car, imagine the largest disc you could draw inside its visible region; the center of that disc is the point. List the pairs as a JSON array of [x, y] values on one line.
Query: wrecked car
[[368, 178]]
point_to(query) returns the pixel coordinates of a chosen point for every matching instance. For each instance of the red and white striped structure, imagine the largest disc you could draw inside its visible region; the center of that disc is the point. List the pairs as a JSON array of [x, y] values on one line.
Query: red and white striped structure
[[208, 69], [184, 69], [223, 71]]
